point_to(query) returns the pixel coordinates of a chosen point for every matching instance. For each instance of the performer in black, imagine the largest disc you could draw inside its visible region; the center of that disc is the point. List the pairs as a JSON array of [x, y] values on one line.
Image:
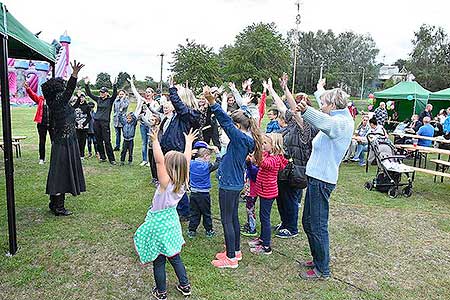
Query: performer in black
[[65, 174]]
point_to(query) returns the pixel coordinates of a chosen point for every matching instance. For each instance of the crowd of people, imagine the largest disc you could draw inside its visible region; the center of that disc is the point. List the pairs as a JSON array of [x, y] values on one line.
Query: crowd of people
[[186, 137]]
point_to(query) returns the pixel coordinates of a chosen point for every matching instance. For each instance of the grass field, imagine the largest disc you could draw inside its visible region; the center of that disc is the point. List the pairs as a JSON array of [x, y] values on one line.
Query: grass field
[[381, 248]]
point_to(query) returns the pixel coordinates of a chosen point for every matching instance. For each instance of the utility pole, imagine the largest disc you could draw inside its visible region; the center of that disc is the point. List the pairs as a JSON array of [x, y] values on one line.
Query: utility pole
[[362, 82], [297, 23], [161, 78], [321, 71]]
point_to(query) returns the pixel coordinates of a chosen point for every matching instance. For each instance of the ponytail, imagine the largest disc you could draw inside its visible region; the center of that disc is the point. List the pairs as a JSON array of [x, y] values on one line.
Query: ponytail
[[257, 137]]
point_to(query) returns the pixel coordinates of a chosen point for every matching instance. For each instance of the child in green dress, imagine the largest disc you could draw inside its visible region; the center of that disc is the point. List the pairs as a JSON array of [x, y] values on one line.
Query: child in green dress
[[160, 237]]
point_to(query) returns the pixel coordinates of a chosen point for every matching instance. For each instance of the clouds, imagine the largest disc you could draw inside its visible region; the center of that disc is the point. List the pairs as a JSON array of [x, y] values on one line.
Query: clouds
[[116, 36]]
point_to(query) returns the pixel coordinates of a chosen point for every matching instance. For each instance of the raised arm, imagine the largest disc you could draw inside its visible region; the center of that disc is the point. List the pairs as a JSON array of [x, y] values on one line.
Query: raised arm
[[185, 113], [35, 97], [89, 93], [289, 97], [262, 107], [320, 91], [224, 103], [278, 102], [236, 94], [190, 138], [163, 177], [320, 120], [114, 94]]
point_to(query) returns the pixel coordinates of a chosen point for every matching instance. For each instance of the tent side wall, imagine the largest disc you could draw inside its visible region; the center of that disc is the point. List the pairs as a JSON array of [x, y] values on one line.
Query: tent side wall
[[438, 105]]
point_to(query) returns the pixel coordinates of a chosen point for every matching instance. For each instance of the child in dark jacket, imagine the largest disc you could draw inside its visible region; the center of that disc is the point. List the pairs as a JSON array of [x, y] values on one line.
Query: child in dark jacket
[[200, 183], [129, 130], [249, 229], [267, 188]]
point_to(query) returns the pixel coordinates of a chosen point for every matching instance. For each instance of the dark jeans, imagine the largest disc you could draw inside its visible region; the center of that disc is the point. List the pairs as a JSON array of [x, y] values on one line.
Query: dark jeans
[[118, 136], [183, 206], [315, 222], [212, 134], [42, 131], [81, 137], [151, 160], [127, 147], [103, 136], [265, 207], [229, 204], [159, 271], [200, 206], [91, 140], [287, 203], [144, 135]]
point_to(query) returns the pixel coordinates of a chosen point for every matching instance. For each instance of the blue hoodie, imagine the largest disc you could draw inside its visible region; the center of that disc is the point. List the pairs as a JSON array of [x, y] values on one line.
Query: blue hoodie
[[232, 167], [129, 128]]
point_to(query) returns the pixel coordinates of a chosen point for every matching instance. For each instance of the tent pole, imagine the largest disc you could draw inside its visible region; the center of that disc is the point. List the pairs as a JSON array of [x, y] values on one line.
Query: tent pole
[[7, 145]]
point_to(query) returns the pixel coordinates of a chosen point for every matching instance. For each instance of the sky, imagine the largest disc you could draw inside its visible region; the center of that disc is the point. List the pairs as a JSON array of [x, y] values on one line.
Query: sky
[[113, 36]]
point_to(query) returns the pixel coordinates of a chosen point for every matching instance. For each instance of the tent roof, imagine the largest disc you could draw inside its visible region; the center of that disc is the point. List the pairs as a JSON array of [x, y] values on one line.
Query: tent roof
[[402, 90], [22, 43], [440, 95]]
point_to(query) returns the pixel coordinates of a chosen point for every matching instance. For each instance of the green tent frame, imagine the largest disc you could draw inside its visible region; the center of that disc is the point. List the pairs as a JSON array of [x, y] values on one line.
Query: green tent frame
[[439, 100], [16, 42]]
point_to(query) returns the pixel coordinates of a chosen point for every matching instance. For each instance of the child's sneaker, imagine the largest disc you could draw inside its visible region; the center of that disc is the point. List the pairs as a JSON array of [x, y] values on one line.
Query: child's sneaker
[[277, 227], [308, 264], [210, 233], [159, 295], [223, 255], [185, 290], [255, 242], [285, 234], [248, 232], [260, 249], [191, 234], [225, 263], [313, 275]]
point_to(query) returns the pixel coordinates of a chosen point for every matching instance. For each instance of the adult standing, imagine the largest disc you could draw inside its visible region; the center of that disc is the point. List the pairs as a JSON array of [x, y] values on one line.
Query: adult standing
[[153, 107], [381, 113], [65, 174], [102, 119], [184, 118], [329, 146], [426, 113], [82, 119], [297, 141], [42, 121], [120, 111]]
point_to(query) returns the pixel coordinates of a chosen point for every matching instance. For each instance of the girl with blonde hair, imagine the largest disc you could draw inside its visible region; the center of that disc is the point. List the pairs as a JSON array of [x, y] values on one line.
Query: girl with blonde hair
[[160, 237]]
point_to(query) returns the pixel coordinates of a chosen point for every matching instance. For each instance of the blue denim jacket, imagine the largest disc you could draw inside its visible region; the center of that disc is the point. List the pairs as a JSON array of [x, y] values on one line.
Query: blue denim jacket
[[129, 128]]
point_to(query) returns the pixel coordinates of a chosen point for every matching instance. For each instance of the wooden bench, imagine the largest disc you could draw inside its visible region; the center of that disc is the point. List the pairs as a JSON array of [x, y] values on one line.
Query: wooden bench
[[444, 165], [16, 146], [431, 172]]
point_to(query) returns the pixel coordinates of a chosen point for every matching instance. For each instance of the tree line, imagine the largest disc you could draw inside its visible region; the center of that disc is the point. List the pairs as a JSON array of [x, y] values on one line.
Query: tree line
[[260, 51]]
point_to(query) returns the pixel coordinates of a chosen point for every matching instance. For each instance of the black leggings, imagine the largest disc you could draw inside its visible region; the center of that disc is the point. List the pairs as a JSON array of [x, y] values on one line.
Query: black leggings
[[151, 160], [229, 203], [42, 130], [81, 137]]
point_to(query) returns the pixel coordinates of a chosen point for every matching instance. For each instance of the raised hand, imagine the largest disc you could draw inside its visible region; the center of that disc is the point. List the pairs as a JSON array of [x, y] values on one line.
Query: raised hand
[[86, 80], [232, 86], [208, 95], [246, 99], [154, 133], [284, 81], [26, 85], [302, 106], [191, 136], [269, 83], [265, 85], [321, 84], [115, 80], [76, 67], [171, 81]]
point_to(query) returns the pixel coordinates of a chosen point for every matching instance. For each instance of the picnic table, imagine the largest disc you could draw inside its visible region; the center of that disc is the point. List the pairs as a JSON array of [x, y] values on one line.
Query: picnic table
[[427, 150], [415, 136], [16, 143]]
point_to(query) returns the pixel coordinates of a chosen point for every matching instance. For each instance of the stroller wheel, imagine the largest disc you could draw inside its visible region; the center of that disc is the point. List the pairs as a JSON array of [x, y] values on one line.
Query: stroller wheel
[[368, 186], [393, 192], [407, 191]]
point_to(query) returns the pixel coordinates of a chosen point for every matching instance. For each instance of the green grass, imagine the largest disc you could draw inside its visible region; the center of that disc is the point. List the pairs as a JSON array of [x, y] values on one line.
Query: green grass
[[381, 248]]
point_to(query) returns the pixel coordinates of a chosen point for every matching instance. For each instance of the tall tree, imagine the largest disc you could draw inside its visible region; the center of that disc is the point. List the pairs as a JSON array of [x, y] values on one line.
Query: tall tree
[[103, 80], [122, 79], [343, 57], [259, 52], [197, 64], [430, 58]]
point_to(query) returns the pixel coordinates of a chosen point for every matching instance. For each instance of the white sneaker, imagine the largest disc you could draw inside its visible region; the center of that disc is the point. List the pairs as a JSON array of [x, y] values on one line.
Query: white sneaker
[[82, 157], [41, 161], [147, 164], [143, 163]]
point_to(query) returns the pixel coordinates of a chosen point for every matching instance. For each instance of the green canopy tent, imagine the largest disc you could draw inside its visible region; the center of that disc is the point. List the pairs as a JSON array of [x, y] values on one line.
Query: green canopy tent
[[16, 42], [409, 96], [439, 100]]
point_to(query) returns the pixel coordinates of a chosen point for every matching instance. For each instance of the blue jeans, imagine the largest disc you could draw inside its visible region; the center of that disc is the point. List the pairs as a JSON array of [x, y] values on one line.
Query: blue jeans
[[265, 207], [315, 222], [229, 204], [159, 271], [144, 135], [118, 136], [287, 203], [361, 149], [183, 206]]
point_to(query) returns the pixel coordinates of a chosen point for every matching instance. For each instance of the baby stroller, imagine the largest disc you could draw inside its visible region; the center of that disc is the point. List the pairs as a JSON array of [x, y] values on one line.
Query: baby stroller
[[390, 167]]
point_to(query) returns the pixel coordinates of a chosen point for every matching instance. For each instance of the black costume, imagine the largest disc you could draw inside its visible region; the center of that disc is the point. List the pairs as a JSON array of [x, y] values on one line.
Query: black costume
[[65, 174]]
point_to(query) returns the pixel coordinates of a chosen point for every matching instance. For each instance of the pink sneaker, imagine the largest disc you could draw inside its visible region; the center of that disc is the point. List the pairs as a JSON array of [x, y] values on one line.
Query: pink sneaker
[[255, 242], [222, 255], [308, 264], [225, 263]]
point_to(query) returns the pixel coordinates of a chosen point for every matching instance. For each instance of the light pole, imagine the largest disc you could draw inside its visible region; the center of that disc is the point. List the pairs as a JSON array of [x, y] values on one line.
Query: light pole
[[362, 82], [297, 22], [161, 78]]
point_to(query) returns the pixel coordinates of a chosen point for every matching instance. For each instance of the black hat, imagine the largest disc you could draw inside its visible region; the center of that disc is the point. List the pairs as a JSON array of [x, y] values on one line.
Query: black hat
[[103, 90]]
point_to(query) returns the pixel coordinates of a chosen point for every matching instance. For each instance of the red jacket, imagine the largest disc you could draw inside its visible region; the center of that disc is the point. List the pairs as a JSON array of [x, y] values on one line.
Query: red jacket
[[266, 181], [40, 102]]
